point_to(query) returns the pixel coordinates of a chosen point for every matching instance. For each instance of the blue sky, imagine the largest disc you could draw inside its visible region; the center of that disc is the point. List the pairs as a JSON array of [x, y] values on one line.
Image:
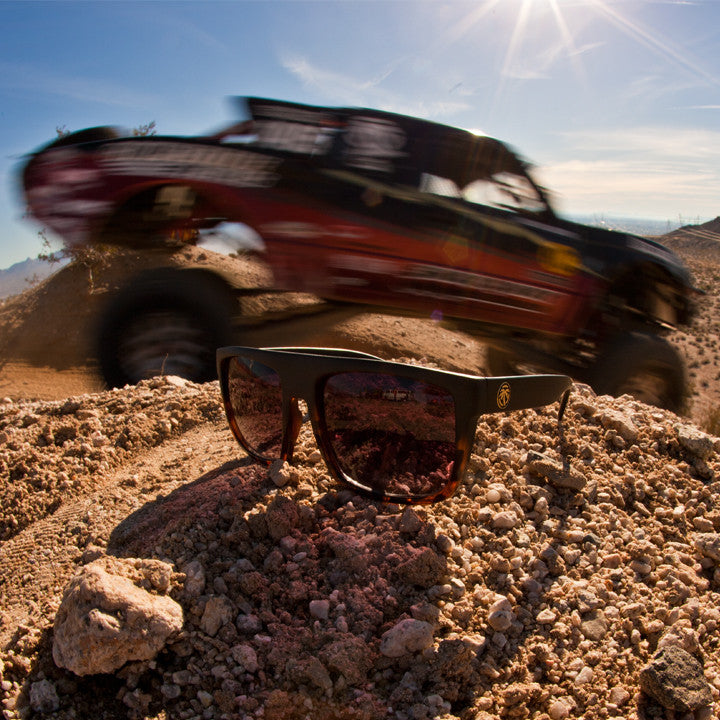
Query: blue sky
[[616, 102]]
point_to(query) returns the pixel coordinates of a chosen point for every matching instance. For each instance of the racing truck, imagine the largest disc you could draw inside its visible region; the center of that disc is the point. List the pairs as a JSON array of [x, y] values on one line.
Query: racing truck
[[367, 211]]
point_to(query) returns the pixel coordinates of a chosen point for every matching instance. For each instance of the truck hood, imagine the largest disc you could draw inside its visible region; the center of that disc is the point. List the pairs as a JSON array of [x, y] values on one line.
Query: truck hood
[[634, 249]]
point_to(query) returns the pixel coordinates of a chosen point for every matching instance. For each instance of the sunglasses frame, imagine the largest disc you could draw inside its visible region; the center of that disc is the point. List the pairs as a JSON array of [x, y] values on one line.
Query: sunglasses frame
[[303, 372]]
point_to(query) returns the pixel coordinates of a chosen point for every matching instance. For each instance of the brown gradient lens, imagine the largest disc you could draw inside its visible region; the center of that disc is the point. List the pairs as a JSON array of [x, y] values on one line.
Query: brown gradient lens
[[391, 434], [256, 402]]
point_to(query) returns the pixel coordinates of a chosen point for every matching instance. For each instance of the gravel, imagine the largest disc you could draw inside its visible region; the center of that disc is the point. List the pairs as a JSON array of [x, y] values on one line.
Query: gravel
[[543, 589]]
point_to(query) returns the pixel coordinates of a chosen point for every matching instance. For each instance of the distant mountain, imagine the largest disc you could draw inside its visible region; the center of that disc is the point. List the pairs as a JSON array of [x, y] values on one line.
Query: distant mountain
[[22, 275], [637, 226]]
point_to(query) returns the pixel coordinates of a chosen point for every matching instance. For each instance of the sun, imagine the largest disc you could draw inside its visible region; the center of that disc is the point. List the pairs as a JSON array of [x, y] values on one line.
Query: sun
[[553, 16]]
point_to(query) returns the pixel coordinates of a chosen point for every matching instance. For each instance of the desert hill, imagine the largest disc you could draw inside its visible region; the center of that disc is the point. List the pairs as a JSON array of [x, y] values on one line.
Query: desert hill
[[569, 568], [696, 239]]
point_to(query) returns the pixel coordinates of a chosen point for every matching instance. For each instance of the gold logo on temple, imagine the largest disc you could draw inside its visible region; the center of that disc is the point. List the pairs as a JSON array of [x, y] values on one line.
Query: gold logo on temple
[[503, 396]]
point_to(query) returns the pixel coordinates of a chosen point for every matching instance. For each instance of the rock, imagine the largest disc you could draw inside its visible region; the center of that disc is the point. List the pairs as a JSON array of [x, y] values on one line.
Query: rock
[[505, 520], [44, 697], [248, 624], [554, 472], [593, 625], [696, 442], [424, 568], [205, 698], [619, 696], [405, 637], [584, 676], [546, 617], [708, 545], [194, 579], [246, 657], [218, 611], [620, 423], [500, 620], [675, 679], [410, 522], [320, 609], [559, 710], [280, 473], [105, 620], [500, 614]]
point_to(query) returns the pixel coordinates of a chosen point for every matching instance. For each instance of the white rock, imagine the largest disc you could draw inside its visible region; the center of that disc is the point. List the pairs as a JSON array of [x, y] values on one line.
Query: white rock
[[708, 545], [492, 496], [105, 621], [559, 710], [505, 520], [696, 442], [407, 636], [280, 473], [546, 617], [621, 424], [501, 620]]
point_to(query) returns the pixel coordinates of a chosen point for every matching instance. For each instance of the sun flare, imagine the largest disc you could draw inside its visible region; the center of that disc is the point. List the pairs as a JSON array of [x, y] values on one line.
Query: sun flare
[[540, 34]]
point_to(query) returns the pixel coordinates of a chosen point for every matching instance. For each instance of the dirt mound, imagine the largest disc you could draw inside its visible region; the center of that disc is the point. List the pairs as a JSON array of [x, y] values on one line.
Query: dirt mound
[[53, 324], [48, 333], [518, 597]]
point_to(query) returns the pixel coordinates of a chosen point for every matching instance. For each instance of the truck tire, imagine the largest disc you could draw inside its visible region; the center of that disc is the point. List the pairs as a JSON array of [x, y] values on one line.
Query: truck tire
[[645, 366], [167, 321]]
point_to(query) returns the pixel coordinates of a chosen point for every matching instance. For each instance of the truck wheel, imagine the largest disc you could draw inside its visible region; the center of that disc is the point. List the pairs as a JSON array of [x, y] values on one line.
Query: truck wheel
[[645, 366], [165, 322]]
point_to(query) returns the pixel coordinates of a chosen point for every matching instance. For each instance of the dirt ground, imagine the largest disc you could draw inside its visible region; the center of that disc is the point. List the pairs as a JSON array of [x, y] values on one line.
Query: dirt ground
[[567, 559]]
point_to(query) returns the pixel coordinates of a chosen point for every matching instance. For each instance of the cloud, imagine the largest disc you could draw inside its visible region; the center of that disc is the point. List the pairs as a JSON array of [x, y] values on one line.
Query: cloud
[[633, 189], [330, 82], [650, 143], [340, 88], [540, 65], [25, 77], [655, 172]]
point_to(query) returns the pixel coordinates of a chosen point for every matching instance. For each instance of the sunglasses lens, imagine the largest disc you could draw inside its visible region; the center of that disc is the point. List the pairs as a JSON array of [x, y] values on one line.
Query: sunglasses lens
[[255, 399], [391, 434]]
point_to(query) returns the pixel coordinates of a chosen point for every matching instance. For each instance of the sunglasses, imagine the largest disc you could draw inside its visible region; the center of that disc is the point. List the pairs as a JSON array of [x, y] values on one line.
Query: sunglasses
[[394, 432]]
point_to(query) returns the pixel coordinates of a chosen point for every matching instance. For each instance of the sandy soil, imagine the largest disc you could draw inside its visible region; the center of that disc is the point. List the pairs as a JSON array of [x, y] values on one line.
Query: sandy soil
[[46, 333], [566, 560]]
